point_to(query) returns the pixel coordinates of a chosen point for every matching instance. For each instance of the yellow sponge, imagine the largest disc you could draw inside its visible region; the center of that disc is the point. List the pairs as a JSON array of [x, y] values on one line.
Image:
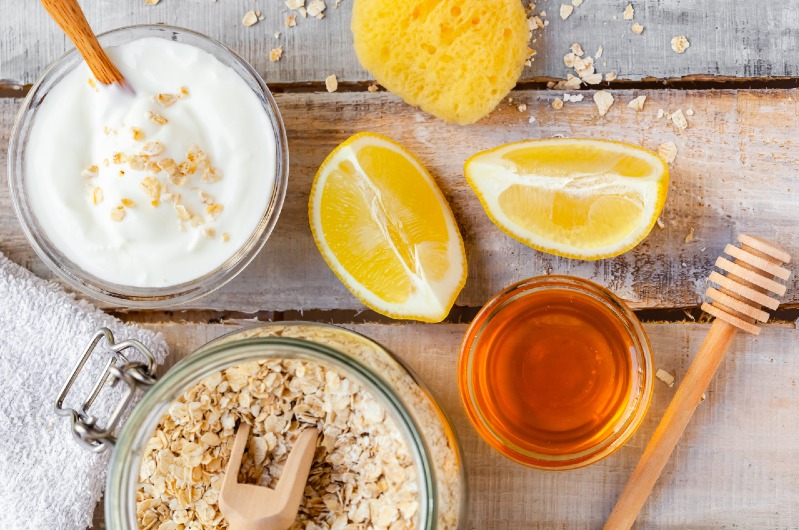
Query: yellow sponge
[[455, 59]]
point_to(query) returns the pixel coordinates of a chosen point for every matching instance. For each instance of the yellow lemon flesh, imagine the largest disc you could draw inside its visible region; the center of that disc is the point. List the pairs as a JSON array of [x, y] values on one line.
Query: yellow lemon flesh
[[456, 59], [386, 230], [577, 198]]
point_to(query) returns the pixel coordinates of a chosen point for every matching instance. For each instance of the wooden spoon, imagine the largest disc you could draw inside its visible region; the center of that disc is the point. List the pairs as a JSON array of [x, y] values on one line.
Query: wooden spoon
[[250, 507], [69, 16], [737, 305]]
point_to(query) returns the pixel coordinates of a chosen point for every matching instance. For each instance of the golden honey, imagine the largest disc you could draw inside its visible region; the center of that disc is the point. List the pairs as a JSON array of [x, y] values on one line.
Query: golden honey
[[555, 372]]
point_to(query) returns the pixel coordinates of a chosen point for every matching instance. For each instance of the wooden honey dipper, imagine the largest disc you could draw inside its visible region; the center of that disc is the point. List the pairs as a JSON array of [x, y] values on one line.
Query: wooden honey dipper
[[737, 304]]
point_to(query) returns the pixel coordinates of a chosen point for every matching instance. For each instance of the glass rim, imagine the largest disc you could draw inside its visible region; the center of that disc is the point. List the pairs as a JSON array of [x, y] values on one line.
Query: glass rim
[[130, 296], [638, 401], [123, 472]]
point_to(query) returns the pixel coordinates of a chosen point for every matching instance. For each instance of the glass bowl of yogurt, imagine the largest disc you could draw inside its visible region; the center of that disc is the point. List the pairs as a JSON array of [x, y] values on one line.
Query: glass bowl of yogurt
[[153, 198]]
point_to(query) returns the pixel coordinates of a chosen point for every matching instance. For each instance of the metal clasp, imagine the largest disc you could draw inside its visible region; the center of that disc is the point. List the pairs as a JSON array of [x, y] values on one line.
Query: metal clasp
[[137, 375]]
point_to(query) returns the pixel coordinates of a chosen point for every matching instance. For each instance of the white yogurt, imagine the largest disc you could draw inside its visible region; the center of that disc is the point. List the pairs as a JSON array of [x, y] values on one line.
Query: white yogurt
[[79, 126]]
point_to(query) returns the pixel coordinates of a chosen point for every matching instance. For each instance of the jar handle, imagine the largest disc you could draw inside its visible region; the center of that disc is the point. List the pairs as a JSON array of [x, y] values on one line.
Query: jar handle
[[137, 375]]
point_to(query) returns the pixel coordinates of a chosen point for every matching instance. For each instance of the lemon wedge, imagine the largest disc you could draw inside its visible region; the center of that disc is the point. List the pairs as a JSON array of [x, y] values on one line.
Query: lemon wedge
[[577, 198], [386, 230]]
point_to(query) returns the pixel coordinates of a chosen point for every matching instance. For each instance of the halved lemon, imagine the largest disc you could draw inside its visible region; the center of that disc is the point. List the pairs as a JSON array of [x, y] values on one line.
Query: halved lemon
[[577, 198], [386, 230]]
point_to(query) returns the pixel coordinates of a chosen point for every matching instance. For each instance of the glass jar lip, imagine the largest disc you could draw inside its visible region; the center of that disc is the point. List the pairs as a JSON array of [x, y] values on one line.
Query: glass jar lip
[[123, 472], [144, 297], [642, 355]]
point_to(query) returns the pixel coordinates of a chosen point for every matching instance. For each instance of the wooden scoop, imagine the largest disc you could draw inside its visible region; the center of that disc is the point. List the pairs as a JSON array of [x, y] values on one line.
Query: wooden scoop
[[737, 304], [69, 16], [250, 507]]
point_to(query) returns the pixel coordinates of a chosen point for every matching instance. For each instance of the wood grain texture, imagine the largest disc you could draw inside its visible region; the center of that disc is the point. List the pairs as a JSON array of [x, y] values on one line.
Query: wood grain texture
[[728, 38], [737, 465], [735, 173]]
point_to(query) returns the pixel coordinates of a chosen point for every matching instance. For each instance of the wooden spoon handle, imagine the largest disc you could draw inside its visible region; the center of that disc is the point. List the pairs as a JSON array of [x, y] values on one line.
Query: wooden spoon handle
[[69, 16], [671, 427]]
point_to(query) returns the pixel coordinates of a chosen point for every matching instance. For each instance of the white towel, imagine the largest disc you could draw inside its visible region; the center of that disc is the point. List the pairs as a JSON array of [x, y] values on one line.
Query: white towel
[[47, 480]]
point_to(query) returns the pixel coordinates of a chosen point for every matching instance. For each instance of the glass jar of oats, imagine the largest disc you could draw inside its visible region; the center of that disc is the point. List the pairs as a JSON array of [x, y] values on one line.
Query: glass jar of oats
[[386, 455]]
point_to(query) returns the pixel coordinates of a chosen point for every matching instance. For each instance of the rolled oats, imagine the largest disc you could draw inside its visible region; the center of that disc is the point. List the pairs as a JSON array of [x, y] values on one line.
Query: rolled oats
[[250, 18], [680, 44], [157, 118], [166, 100], [331, 83], [637, 104], [604, 100], [678, 119], [629, 12], [364, 476], [668, 150]]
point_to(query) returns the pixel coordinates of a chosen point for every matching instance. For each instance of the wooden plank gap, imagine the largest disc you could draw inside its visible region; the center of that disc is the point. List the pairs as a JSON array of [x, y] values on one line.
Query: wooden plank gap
[[788, 315]]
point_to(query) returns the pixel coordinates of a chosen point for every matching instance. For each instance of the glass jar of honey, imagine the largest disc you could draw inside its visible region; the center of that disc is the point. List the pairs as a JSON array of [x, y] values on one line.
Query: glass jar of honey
[[556, 372]]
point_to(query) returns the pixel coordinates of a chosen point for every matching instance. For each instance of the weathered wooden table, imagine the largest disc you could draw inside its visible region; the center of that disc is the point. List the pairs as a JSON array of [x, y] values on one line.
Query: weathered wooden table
[[736, 171]]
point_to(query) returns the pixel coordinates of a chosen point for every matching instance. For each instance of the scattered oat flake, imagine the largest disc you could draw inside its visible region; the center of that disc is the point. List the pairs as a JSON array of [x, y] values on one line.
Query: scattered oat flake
[[97, 196], [183, 212], [610, 76], [127, 203], [157, 118], [90, 172], [150, 148], [316, 7], [372, 87], [137, 134], [577, 3], [661, 224], [668, 151], [680, 44], [250, 18], [295, 4], [690, 236], [599, 52], [604, 100], [522, 107], [629, 12], [209, 233], [557, 104], [637, 28], [151, 2], [593, 79], [151, 187], [661, 113], [678, 119], [689, 112], [92, 82], [637, 104], [166, 100], [225, 237], [664, 376], [276, 54], [291, 20], [117, 214], [565, 11], [331, 83], [577, 50]]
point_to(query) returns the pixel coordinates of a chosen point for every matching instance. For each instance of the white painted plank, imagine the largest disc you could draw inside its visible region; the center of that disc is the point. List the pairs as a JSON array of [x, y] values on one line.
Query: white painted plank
[[737, 465], [735, 172], [728, 38]]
